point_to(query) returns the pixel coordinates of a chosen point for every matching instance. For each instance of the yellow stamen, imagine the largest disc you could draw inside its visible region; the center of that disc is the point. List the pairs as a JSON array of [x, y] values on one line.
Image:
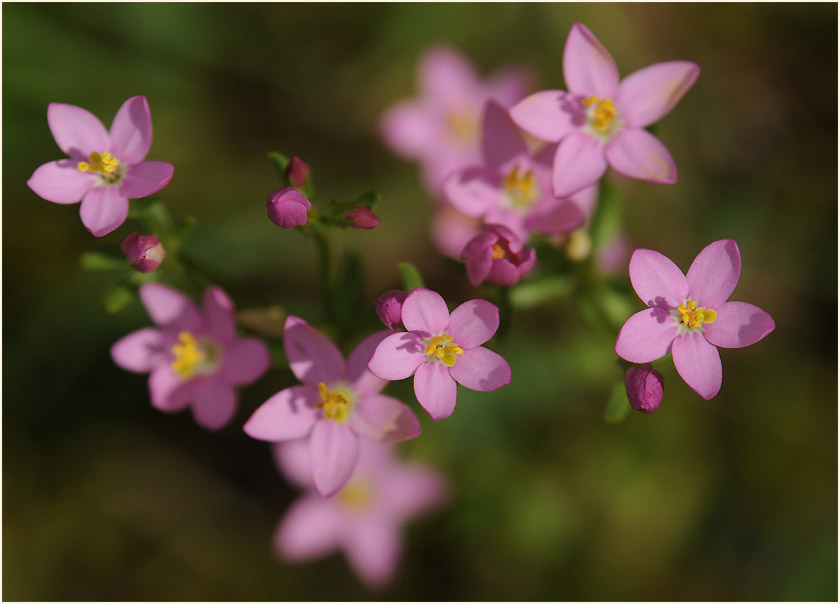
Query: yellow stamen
[[336, 404], [498, 252], [443, 349], [520, 186], [355, 495], [603, 115], [104, 163], [693, 316], [189, 355]]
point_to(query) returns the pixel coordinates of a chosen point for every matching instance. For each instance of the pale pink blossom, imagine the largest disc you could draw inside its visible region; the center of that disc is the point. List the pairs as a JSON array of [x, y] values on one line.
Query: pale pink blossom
[[451, 229], [497, 256]]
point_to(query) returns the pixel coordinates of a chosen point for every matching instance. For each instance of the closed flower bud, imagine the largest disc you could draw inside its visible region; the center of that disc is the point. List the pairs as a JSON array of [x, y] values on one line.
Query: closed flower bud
[[299, 173], [362, 217], [389, 307], [287, 207], [645, 387], [144, 252], [496, 256]]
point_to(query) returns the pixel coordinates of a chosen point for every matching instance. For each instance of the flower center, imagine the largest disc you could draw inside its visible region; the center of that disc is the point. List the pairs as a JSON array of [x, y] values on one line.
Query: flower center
[[355, 495], [498, 251], [463, 126], [104, 164], [691, 316], [442, 348], [521, 188], [601, 115], [194, 356], [336, 404]]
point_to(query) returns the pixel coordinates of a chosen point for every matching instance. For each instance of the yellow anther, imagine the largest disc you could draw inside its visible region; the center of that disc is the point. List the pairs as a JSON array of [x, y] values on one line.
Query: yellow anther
[[336, 404], [443, 349], [520, 186], [693, 316], [603, 115], [498, 252], [104, 163], [589, 101], [189, 356]]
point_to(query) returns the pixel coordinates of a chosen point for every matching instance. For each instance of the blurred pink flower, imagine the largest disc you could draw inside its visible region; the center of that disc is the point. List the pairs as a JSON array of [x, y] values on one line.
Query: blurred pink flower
[[287, 207], [105, 169], [362, 217], [299, 173], [440, 349], [451, 229], [645, 387], [441, 127], [496, 255], [389, 307], [600, 120], [689, 315], [513, 187], [337, 404], [193, 357], [364, 519], [144, 252]]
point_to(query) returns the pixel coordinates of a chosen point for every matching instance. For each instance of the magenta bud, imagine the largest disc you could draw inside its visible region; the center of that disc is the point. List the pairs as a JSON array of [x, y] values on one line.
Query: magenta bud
[[645, 387], [144, 252], [287, 207], [496, 255], [362, 217], [389, 307], [299, 173]]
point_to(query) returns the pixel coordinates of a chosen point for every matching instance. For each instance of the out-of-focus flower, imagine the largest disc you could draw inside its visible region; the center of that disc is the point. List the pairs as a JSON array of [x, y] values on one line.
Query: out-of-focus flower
[[645, 387], [193, 357], [441, 127], [105, 169], [362, 217], [613, 255], [689, 315], [389, 307], [513, 187], [497, 256], [144, 252], [287, 207], [451, 230], [299, 173], [364, 519], [336, 405], [600, 120], [440, 349]]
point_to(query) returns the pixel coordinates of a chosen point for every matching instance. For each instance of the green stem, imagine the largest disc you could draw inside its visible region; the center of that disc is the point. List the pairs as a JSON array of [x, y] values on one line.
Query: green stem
[[325, 265]]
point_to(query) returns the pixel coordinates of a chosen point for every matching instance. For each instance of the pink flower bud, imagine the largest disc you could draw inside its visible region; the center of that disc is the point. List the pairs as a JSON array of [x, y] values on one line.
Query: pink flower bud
[[362, 217], [645, 387], [496, 255], [287, 207], [144, 252], [299, 173], [389, 307]]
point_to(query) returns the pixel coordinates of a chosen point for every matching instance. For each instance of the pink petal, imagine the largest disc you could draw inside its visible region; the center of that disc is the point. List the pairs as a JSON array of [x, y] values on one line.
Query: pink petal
[[452, 230], [446, 76], [713, 275], [481, 369], [309, 530], [425, 311], [501, 141], [218, 315], [397, 356], [214, 404], [292, 457], [588, 68], [555, 217], [509, 85], [479, 262], [578, 163], [169, 392], [384, 419], [646, 336], [359, 377], [409, 129], [131, 131], [287, 415], [373, 550], [144, 179], [473, 191], [549, 115], [412, 489], [698, 364], [313, 358], [245, 361], [61, 181], [435, 390], [738, 324], [140, 351], [648, 94], [473, 323], [103, 210], [168, 307], [639, 154], [77, 131], [586, 200], [657, 280], [333, 451]]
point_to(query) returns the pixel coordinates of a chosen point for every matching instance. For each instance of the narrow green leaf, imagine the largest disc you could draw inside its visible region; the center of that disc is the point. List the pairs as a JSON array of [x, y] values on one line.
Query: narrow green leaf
[[97, 260], [617, 405], [411, 277]]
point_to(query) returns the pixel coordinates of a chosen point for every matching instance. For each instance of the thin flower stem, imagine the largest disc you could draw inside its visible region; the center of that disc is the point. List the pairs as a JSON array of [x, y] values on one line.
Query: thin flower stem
[[324, 262]]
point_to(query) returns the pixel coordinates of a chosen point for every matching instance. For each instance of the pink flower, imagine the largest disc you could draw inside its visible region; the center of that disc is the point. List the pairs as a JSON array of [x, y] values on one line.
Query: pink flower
[[105, 169], [440, 349], [337, 404], [451, 230], [365, 517], [299, 173], [362, 217], [512, 187], [645, 387], [601, 120], [497, 256], [144, 252], [440, 128], [389, 307], [689, 315], [287, 207], [193, 357]]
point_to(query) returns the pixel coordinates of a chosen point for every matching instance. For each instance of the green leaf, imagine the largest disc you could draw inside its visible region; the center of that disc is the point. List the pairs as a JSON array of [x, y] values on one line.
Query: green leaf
[[617, 405], [411, 277], [117, 298], [530, 294], [98, 260], [281, 164], [369, 199]]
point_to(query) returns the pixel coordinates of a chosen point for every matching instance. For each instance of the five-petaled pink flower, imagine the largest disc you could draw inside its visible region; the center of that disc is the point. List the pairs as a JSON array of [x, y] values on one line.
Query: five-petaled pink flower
[[365, 517], [441, 127], [600, 120], [513, 187], [193, 357], [496, 255], [689, 315], [440, 349], [105, 169], [337, 404]]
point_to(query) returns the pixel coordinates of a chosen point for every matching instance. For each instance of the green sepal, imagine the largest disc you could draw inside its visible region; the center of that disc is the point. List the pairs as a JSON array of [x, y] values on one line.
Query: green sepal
[[618, 405]]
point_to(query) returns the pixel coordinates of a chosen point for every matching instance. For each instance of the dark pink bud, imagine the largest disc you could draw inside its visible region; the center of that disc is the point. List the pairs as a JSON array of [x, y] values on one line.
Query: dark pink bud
[[287, 207], [496, 255], [645, 387], [389, 307], [362, 217], [299, 173], [144, 252]]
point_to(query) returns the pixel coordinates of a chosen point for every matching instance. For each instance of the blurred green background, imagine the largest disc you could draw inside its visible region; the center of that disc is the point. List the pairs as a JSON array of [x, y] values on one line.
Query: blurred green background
[[734, 498]]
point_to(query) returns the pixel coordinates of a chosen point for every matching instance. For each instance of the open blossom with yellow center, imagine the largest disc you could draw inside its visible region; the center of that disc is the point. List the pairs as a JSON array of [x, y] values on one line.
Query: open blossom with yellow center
[[194, 356], [692, 316], [442, 348], [336, 403], [521, 187]]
